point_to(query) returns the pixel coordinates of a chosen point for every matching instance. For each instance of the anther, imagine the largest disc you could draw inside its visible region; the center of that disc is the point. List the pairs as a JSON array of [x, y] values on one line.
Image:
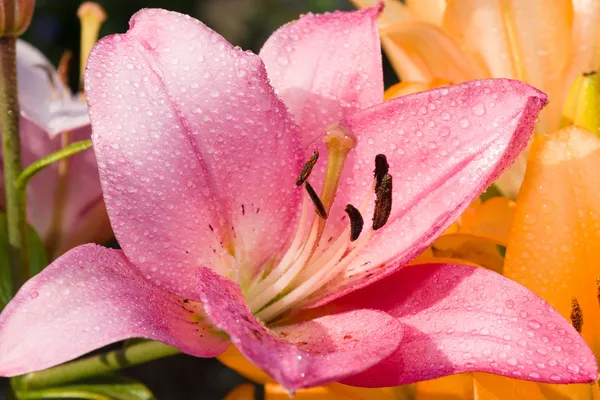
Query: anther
[[356, 222], [63, 67], [319, 207], [307, 169], [383, 202], [576, 315], [598, 290], [381, 168]]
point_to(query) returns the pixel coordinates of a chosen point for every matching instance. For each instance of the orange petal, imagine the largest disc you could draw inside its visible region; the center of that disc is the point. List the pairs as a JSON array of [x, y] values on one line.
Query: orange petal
[[471, 249], [431, 11], [242, 392], [567, 392], [491, 220], [334, 391], [510, 181], [555, 239], [404, 88], [233, 359], [421, 52], [496, 387], [394, 11], [449, 387], [527, 40], [585, 40]]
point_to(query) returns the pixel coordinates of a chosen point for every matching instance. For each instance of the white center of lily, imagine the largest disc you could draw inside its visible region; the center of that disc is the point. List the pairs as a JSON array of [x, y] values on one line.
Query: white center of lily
[[310, 262]]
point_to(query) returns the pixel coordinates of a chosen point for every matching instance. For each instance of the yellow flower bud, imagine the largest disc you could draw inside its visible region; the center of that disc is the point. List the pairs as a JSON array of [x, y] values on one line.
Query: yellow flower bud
[[582, 105]]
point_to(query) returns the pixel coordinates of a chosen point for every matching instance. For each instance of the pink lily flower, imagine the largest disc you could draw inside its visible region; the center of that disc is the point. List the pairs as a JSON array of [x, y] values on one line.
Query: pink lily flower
[[74, 214], [200, 146]]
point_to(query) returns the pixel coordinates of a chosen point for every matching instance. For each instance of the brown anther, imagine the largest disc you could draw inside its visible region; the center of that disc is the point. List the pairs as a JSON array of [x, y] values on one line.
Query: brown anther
[[598, 290], [589, 73], [381, 168], [576, 315], [356, 222], [319, 207], [307, 169], [383, 202]]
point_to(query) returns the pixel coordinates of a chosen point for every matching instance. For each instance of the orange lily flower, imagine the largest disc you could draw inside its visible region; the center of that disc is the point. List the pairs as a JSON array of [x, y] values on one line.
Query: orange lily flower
[[544, 43]]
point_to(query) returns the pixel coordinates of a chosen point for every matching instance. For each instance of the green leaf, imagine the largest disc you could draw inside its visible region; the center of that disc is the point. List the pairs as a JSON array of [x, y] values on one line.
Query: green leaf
[[37, 259], [110, 387]]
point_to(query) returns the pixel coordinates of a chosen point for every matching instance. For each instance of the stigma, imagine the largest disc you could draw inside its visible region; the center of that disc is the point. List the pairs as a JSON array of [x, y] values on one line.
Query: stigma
[[310, 262]]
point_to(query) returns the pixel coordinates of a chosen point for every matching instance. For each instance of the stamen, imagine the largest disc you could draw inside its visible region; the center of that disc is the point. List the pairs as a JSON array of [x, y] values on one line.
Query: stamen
[[383, 202], [576, 315], [91, 16], [319, 207], [63, 67], [356, 222], [598, 290], [307, 169], [381, 168], [339, 141]]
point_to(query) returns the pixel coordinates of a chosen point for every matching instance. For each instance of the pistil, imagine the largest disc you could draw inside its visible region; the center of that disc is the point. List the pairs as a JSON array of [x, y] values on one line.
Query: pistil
[[308, 264]]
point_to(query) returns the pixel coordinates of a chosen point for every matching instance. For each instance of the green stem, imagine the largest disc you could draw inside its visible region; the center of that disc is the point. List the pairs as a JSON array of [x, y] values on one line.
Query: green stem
[[100, 364], [11, 151], [42, 163]]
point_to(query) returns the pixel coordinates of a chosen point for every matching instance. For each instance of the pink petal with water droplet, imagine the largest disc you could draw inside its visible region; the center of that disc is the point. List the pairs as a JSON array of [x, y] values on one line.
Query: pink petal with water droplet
[[444, 147], [326, 66], [196, 152], [460, 318], [43, 98], [88, 298], [307, 354]]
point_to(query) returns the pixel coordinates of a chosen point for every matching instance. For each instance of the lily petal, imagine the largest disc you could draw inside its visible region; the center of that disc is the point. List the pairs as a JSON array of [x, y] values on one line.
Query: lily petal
[[585, 41], [335, 391], [431, 52], [88, 298], [455, 387], [431, 11], [444, 147], [325, 67], [43, 98], [494, 387], [393, 11], [491, 220], [460, 318], [406, 88], [83, 218], [554, 240], [197, 155], [307, 354], [529, 41]]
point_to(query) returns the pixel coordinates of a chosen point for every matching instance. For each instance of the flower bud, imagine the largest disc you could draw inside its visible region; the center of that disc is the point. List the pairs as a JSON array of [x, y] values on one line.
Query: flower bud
[[583, 103], [15, 16]]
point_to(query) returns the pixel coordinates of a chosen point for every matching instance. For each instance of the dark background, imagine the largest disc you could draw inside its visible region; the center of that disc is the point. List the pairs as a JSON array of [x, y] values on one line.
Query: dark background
[[245, 23]]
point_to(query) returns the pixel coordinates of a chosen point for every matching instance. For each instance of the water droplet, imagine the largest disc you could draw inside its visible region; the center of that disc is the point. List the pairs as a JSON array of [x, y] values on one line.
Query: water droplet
[[533, 324], [478, 109], [463, 123]]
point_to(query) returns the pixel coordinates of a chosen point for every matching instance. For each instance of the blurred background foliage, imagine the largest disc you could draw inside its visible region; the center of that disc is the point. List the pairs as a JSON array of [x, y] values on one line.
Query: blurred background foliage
[[245, 23]]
